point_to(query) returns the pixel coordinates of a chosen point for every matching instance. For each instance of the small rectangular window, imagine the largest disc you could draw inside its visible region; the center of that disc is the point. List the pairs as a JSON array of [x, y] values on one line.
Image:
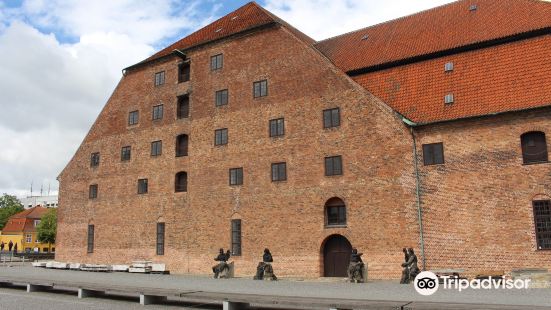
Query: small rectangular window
[[93, 191], [221, 97], [133, 117], [160, 238], [277, 127], [90, 239], [331, 118], [236, 176], [159, 78], [28, 238], [125, 153], [236, 237], [433, 154], [156, 148], [183, 107], [542, 219], [260, 88], [333, 165], [158, 112], [142, 186], [221, 136], [183, 72], [216, 62], [94, 159], [448, 99], [448, 66], [279, 172]]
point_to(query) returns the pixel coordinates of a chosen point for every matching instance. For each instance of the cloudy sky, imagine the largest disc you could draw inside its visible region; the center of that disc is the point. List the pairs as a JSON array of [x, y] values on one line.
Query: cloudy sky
[[61, 59]]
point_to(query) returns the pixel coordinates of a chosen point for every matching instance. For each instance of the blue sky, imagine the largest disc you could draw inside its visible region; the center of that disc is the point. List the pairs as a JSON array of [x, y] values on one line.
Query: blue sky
[[61, 59]]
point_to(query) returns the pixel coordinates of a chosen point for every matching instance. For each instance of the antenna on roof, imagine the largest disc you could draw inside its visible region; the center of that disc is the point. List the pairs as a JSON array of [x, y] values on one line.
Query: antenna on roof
[[365, 37], [31, 188]]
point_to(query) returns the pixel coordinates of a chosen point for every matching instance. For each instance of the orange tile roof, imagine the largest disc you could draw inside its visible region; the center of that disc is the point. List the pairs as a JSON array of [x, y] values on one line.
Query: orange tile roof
[[441, 28], [24, 220], [508, 77], [247, 17]]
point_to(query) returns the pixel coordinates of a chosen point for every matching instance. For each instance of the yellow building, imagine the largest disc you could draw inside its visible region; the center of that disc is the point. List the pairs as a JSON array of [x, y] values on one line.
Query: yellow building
[[20, 230]]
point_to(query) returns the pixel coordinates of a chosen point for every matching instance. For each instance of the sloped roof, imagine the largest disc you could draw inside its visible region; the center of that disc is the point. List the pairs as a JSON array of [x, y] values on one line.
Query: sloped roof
[[24, 220], [247, 17], [442, 28]]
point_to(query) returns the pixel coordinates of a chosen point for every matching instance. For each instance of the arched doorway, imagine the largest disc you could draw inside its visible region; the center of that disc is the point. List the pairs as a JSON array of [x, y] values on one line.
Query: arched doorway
[[336, 256]]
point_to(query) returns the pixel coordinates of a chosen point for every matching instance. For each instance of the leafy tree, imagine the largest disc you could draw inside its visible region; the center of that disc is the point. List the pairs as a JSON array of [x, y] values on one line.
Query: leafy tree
[[47, 227], [9, 205]]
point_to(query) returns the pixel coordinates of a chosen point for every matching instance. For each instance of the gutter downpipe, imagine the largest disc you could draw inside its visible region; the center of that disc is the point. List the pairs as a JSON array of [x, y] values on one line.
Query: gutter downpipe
[[417, 189]]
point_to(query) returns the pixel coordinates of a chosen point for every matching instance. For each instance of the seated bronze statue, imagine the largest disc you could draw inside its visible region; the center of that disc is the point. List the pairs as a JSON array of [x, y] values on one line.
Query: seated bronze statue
[[264, 270], [411, 270], [356, 267], [222, 269]]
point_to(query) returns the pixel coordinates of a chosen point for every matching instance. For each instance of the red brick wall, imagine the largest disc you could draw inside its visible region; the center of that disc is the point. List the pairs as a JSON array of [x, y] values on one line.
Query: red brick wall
[[503, 78], [288, 217], [478, 206]]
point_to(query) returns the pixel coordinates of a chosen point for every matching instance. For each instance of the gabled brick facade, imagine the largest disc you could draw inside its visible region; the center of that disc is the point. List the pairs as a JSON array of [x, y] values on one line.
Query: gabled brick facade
[[475, 208]]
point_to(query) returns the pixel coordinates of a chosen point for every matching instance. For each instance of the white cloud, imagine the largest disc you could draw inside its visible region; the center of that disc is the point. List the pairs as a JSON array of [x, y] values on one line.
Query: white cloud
[[322, 19], [51, 92]]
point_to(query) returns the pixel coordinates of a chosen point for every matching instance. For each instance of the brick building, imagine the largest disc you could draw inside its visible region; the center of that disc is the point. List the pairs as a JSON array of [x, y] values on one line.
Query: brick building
[[428, 131]]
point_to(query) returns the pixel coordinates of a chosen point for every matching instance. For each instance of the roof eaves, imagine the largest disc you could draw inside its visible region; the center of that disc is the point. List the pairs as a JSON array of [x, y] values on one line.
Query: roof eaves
[[441, 121]]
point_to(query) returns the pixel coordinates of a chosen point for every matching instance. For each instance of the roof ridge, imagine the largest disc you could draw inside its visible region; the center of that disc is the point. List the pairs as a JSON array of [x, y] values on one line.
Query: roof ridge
[[393, 20], [282, 22]]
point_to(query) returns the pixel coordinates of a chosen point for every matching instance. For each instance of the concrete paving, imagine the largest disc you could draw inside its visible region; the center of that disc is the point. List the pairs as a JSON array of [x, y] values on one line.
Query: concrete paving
[[379, 290]]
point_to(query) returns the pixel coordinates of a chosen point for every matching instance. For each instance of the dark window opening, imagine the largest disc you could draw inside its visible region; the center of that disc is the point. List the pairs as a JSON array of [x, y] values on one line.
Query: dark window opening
[[216, 62], [236, 176], [158, 112], [159, 78], [183, 107], [156, 148], [279, 172], [93, 191], [221, 97], [181, 145], [160, 239], [260, 88], [534, 147], [94, 159], [236, 237], [335, 212], [133, 117], [221, 136], [331, 118], [142, 186], [433, 154], [125, 153], [180, 182], [542, 219], [184, 72], [333, 165], [90, 239], [277, 127]]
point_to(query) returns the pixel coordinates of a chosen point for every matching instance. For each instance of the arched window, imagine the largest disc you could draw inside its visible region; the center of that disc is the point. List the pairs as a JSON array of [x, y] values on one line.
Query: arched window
[[181, 145], [180, 183], [335, 212], [534, 147]]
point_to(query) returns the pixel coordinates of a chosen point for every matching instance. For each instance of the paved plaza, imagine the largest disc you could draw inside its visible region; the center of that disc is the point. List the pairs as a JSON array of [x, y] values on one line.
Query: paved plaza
[[314, 288]]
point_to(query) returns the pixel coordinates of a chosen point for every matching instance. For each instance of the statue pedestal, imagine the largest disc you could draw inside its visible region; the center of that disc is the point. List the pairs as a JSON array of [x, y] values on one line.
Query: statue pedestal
[[227, 272]]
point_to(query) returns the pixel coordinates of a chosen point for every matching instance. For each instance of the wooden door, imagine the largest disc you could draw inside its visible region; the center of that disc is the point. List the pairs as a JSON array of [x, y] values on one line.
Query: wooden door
[[336, 256]]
